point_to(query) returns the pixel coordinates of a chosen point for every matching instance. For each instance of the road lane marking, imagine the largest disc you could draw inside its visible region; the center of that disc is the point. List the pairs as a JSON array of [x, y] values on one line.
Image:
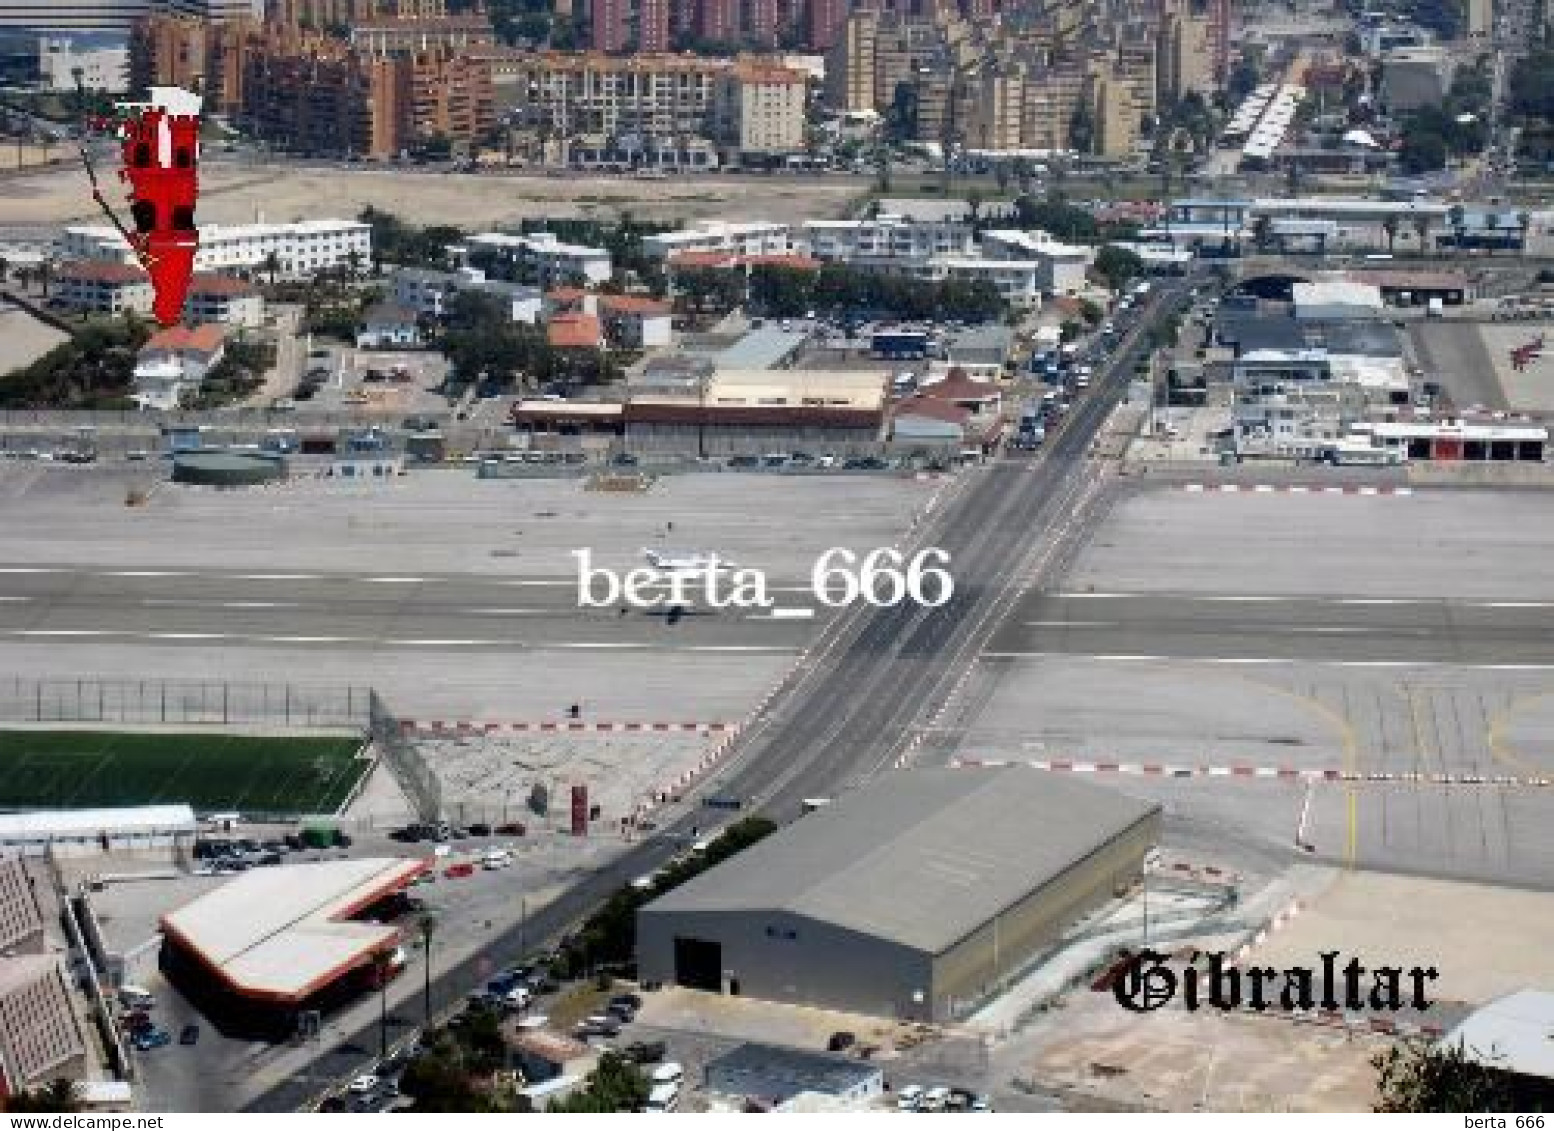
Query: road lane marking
[[789, 614], [61, 632], [394, 580]]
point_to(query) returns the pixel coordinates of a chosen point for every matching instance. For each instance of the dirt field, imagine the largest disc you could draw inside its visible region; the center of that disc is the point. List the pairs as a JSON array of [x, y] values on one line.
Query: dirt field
[[234, 194]]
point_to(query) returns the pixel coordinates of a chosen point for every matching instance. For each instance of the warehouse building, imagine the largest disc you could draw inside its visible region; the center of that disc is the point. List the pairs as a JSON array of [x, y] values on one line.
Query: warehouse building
[[772, 1075], [917, 896]]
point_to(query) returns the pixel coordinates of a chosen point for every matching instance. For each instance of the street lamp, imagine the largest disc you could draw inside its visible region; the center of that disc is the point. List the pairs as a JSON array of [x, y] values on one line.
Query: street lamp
[[428, 927]]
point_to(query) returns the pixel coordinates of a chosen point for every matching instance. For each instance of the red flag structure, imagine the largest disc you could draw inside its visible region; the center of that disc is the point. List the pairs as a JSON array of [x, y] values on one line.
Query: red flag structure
[[160, 143]]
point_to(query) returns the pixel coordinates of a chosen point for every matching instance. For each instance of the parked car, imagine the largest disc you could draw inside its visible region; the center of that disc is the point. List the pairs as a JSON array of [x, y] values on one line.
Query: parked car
[[645, 1052], [149, 1039], [512, 828], [363, 1084], [190, 1035], [909, 1097], [459, 871], [634, 1001], [480, 828], [841, 1041]]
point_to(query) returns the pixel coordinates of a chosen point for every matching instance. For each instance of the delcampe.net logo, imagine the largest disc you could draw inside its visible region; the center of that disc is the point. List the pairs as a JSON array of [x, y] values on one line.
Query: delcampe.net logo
[[884, 578]]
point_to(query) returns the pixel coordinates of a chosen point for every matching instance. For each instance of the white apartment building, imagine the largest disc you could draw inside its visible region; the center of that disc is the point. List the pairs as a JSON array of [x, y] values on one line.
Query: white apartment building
[[549, 261], [1018, 280], [1063, 265], [299, 249], [428, 293], [757, 237], [886, 237], [104, 68]]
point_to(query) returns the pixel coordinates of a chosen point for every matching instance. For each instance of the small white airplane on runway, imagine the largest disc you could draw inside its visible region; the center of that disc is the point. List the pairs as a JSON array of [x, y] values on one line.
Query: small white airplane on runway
[[694, 563]]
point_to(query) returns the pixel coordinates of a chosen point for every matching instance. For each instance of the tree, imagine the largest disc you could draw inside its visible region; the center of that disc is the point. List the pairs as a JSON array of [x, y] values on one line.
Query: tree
[[1423, 151], [1415, 1076], [59, 1095], [272, 266], [1117, 267], [1391, 225], [616, 1085], [1422, 230]]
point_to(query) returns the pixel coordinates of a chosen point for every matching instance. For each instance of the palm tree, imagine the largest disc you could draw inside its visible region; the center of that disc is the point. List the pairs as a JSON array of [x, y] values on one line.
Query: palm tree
[[353, 264], [1455, 217], [5, 268], [1523, 222], [1491, 226], [1391, 225], [272, 265], [1422, 229], [45, 274]]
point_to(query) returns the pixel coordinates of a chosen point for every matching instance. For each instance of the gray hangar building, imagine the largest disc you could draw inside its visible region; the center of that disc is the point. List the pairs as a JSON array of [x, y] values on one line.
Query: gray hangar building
[[915, 896]]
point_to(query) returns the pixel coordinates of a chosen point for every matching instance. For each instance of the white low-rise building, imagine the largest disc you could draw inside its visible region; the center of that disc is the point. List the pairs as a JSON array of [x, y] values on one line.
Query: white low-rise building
[[428, 293], [291, 250], [546, 258], [85, 832], [174, 361], [1063, 265], [759, 237], [887, 237]]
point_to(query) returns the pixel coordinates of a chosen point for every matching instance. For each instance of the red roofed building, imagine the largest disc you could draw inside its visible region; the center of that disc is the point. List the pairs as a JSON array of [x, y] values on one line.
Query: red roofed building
[[959, 389], [225, 299], [635, 321], [929, 419], [101, 287], [575, 332], [175, 360]]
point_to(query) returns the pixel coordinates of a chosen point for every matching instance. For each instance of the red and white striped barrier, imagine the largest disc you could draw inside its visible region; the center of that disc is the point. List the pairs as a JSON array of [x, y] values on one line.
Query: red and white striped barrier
[[443, 728], [1278, 773], [1290, 489]]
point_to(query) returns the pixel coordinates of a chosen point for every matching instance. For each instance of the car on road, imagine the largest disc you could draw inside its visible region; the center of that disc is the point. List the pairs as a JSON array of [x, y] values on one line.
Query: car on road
[[189, 1035], [459, 871], [364, 1084], [598, 1025], [148, 1039], [645, 1052], [841, 1041]]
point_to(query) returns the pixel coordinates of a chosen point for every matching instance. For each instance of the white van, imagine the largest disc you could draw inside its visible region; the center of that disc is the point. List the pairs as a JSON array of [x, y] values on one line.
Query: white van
[[667, 1073], [936, 1098], [909, 1097], [496, 858], [663, 1098], [136, 997]]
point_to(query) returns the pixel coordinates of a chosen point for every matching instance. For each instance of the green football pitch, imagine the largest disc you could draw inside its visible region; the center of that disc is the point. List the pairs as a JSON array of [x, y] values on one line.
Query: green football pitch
[[41, 769]]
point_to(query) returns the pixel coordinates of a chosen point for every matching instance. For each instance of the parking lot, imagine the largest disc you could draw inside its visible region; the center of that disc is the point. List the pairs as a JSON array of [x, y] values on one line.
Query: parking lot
[[342, 379]]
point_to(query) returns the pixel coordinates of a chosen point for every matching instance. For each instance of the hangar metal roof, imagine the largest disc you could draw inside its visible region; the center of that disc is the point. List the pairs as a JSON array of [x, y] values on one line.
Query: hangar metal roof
[[919, 857], [57, 824]]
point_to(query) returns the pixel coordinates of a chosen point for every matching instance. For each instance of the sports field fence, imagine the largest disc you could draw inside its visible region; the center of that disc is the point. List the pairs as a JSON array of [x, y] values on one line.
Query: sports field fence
[[148, 702]]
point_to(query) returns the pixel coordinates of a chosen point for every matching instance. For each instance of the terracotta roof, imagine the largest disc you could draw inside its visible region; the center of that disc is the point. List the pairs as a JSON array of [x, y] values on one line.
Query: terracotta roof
[[728, 259], [206, 338], [210, 284], [640, 412], [566, 294], [557, 1048], [933, 409], [747, 71], [573, 331], [101, 271], [632, 304], [956, 386]]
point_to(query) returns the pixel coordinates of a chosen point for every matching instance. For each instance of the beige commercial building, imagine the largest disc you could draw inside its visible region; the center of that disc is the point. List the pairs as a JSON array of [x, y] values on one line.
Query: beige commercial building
[[759, 109], [589, 93]]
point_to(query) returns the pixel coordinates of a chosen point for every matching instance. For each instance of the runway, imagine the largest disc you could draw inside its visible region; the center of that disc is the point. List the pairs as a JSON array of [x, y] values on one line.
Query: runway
[[367, 612], [1249, 629]]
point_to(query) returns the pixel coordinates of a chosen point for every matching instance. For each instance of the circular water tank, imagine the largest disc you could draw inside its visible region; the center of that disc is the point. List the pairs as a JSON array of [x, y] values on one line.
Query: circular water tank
[[228, 469]]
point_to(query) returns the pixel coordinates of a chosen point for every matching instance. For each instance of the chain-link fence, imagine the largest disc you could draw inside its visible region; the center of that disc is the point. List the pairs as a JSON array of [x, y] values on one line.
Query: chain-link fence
[[150, 702], [404, 760]]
